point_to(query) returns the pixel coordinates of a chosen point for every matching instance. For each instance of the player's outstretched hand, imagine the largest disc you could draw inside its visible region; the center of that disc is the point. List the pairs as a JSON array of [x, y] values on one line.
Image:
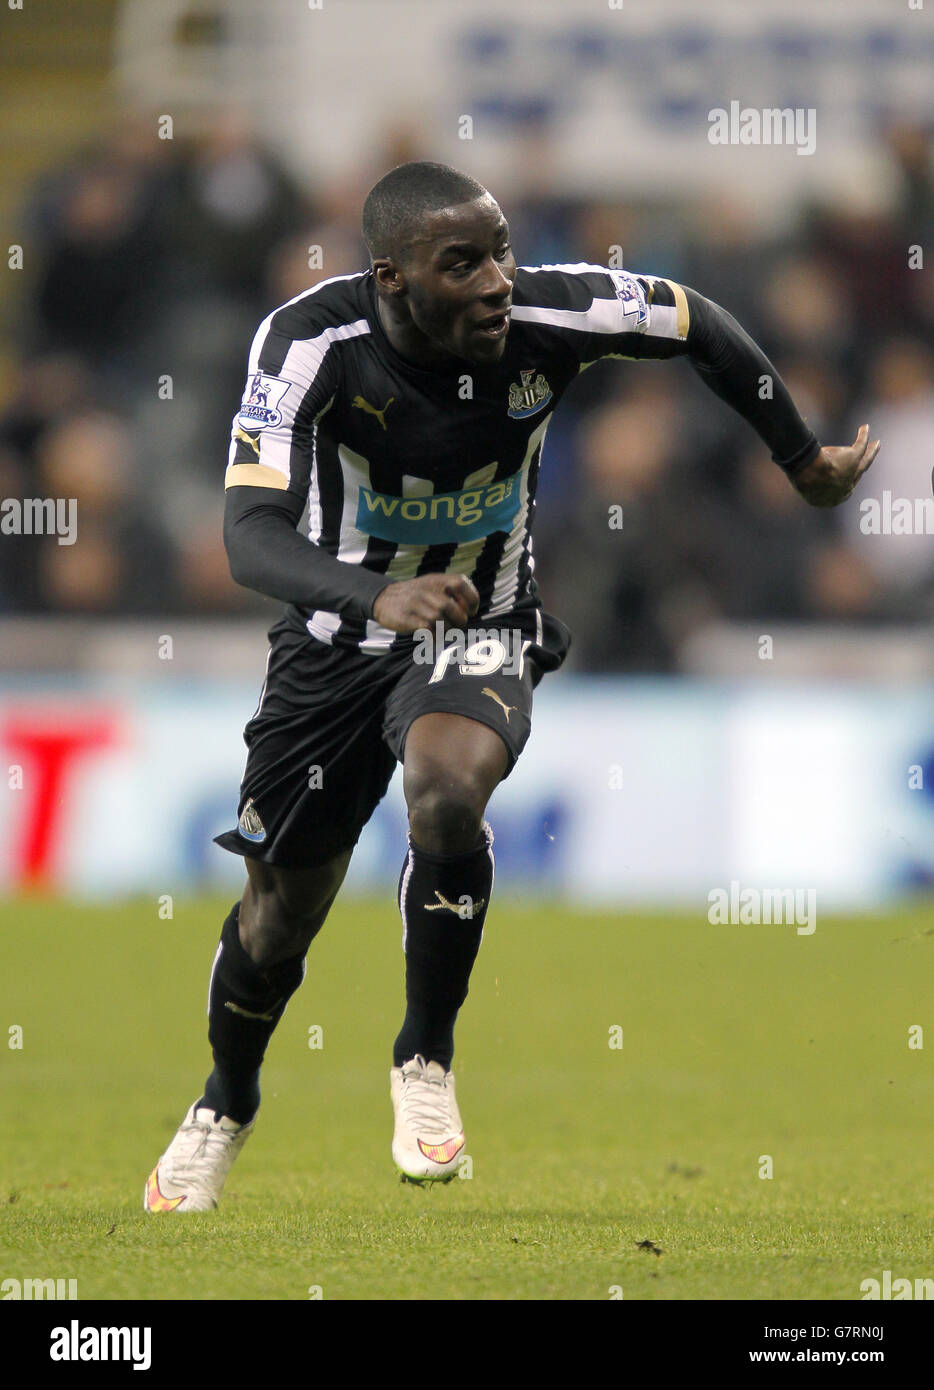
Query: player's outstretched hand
[[408, 604], [829, 479]]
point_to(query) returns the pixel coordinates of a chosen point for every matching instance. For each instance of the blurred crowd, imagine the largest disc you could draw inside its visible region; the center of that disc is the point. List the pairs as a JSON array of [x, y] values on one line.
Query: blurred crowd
[[151, 263]]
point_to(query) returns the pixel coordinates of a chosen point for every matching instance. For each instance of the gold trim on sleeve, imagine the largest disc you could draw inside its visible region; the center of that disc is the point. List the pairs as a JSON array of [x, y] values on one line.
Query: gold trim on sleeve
[[254, 475], [681, 304]]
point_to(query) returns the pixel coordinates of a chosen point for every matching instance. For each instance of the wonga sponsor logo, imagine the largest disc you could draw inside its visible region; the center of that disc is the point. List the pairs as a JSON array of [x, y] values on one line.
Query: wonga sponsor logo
[[441, 518]]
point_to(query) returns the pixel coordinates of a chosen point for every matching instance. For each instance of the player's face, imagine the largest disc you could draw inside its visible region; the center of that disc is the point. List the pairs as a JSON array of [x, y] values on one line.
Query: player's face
[[458, 281]]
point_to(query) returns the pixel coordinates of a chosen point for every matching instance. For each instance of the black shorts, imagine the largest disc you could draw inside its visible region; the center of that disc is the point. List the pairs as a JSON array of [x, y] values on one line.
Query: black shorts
[[331, 725]]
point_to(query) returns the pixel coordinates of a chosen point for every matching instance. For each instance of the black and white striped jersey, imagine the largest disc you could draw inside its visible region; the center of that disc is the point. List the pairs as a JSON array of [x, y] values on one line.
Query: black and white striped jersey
[[408, 471]]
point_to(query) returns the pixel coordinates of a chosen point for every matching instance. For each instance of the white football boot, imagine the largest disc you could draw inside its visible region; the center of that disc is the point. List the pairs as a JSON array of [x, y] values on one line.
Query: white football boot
[[428, 1138], [190, 1174]]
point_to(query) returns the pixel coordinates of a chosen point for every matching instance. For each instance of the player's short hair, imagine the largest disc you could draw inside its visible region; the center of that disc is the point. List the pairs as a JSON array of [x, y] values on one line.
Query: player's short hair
[[394, 207]]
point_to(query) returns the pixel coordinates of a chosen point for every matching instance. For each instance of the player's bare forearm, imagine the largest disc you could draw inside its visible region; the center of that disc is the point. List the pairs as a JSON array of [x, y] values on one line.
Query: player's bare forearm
[[830, 478]]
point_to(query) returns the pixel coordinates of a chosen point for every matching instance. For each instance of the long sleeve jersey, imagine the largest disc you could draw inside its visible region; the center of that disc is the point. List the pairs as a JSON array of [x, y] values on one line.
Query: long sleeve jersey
[[407, 471]]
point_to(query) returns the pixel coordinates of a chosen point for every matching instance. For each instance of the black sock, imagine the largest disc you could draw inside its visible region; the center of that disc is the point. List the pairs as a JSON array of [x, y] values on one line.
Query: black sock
[[239, 990], [443, 899]]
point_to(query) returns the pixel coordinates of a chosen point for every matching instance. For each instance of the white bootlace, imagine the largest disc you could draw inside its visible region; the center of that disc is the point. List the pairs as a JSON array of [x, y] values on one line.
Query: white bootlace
[[203, 1137], [425, 1100]]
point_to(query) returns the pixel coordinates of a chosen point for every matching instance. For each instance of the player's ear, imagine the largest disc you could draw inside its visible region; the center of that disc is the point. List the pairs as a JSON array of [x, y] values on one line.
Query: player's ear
[[388, 275]]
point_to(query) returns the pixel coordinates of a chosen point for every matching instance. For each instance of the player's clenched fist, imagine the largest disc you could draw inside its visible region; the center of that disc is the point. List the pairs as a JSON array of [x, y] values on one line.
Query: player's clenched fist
[[408, 604]]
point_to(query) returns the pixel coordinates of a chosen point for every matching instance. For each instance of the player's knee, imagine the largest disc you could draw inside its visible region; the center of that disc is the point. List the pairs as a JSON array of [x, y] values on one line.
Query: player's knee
[[446, 811]]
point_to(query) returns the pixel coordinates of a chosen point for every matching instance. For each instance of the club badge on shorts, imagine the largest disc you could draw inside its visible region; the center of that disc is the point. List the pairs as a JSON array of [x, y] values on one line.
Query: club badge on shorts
[[250, 825]]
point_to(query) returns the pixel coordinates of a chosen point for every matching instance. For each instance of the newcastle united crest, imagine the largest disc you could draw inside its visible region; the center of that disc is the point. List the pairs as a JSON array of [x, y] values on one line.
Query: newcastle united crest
[[527, 396]]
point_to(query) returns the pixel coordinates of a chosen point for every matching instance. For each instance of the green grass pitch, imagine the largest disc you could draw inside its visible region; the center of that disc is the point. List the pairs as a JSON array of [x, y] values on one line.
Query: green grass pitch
[[738, 1042]]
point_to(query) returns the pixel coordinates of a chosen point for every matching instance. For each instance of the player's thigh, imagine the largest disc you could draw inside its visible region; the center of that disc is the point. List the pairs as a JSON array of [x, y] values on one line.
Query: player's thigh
[[452, 764], [486, 682]]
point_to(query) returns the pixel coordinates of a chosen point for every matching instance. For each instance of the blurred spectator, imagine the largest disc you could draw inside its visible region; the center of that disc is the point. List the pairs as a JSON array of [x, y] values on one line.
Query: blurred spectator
[[103, 237], [234, 203], [808, 308], [891, 526], [205, 583], [43, 390], [841, 584], [120, 562], [18, 591], [622, 571], [761, 546], [910, 148], [727, 261], [293, 264]]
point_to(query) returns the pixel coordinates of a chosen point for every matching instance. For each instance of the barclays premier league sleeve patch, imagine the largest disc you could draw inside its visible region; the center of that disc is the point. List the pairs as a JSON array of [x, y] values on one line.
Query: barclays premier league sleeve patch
[[632, 297], [259, 408]]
